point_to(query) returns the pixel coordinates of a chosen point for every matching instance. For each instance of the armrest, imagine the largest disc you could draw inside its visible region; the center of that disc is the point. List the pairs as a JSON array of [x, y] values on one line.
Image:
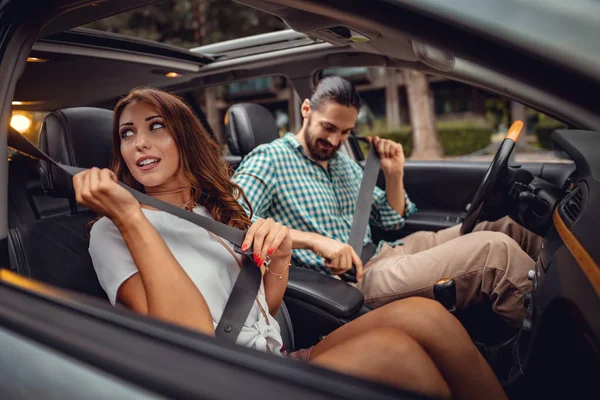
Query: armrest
[[333, 296]]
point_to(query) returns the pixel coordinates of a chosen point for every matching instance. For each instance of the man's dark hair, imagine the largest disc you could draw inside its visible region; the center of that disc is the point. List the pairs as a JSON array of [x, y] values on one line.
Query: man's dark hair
[[336, 89]]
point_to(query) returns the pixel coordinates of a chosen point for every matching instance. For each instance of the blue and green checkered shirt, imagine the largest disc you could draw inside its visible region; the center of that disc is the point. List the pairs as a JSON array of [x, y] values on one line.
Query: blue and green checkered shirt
[[283, 183]]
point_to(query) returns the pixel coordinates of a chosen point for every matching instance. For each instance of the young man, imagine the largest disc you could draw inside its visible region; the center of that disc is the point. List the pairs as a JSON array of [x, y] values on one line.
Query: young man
[[303, 182]]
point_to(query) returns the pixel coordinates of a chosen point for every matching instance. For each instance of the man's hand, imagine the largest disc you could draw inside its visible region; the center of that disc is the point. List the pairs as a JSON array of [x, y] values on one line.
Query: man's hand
[[339, 257], [391, 154]]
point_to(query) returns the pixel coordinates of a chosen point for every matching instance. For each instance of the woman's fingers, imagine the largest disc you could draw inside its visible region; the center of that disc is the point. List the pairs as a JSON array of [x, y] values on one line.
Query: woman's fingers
[[89, 185], [111, 174], [277, 233], [260, 238], [94, 174], [249, 238], [264, 236], [107, 178], [86, 193]]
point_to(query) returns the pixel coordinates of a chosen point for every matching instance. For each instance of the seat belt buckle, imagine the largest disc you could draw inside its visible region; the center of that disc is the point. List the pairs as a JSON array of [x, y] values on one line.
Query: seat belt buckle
[[349, 276], [238, 249]]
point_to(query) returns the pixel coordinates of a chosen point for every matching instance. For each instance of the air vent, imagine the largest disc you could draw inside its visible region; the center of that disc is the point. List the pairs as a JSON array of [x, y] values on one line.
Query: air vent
[[573, 205]]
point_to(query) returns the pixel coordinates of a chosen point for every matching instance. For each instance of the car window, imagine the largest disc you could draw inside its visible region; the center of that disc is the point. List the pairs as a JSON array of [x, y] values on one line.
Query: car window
[[273, 92], [56, 376], [439, 119]]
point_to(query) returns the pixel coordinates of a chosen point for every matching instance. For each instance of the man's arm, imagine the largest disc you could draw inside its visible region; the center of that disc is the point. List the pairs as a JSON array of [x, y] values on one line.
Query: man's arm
[[339, 257], [256, 177], [394, 190], [391, 207]]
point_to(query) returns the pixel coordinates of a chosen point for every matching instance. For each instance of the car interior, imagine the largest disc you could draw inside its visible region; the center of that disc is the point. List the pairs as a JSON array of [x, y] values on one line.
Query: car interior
[[85, 72]]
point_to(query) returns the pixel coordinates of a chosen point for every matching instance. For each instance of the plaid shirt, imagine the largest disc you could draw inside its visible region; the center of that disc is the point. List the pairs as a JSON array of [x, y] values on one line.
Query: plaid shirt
[[283, 183]]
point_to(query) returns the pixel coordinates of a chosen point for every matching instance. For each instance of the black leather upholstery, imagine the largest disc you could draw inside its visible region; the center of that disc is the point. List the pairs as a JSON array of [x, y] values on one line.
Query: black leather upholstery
[[319, 304], [27, 201], [285, 324], [21, 169], [331, 295], [79, 137], [248, 126], [55, 251]]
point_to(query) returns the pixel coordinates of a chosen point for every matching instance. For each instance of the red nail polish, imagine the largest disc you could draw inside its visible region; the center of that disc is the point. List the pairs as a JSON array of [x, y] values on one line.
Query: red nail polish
[[271, 250], [260, 262], [244, 247], [255, 258]]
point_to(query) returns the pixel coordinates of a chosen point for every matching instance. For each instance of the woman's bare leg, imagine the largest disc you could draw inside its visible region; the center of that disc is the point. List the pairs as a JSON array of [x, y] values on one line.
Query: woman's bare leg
[[389, 356], [438, 333]]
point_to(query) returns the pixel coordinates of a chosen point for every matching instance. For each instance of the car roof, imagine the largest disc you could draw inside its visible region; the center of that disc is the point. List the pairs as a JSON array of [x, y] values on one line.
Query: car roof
[[117, 63]]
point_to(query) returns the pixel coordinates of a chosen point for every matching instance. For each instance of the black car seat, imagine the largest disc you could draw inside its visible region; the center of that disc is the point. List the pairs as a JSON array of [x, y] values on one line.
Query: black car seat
[[55, 250], [247, 126], [20, 171], [27, 201]]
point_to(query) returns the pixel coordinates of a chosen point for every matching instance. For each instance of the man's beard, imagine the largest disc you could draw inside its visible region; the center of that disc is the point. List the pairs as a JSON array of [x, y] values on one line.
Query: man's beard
[[320, 149]]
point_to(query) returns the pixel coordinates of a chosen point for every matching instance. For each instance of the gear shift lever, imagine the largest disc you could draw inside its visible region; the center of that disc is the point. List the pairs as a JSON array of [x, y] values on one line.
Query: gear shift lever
[[444, 291]]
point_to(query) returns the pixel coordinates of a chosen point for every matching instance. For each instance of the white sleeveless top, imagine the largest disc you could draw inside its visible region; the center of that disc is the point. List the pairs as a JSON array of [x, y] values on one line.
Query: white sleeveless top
[[203, 257]]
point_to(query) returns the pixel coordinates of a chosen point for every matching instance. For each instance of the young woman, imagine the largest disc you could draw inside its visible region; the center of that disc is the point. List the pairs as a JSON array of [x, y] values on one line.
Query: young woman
[[159, 265]]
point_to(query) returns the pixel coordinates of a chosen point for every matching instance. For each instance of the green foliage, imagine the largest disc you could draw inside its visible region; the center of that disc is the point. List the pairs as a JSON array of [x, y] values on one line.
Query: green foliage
[[544, 129], [457, 137], [497, 111], [182, 23], [462, 137]]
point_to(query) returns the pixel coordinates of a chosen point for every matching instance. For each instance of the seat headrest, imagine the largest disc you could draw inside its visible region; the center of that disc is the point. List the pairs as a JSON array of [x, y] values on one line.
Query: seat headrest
[[79, 137], [249, 125]]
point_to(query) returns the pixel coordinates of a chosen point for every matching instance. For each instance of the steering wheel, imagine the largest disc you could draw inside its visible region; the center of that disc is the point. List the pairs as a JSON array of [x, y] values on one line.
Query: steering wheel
[[495, 172]]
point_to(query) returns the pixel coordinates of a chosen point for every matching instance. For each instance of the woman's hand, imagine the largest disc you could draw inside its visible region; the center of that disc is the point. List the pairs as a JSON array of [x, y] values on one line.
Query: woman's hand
[[268, 238], [99, 190]]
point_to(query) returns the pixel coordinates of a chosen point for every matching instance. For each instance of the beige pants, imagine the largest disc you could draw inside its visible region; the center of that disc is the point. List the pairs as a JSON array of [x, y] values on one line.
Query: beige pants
[[491, 262]]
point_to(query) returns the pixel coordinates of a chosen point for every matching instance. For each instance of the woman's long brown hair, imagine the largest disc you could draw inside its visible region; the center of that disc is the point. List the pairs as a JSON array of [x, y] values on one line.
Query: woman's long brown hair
[[200, 156]]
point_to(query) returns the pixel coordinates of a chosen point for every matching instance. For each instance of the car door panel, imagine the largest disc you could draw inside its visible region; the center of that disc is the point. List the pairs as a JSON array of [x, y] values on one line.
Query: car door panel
[[442, 190], [97, 342]]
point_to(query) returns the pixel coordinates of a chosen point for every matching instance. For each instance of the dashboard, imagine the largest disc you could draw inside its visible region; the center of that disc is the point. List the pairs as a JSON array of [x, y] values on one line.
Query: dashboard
[[560, 336]]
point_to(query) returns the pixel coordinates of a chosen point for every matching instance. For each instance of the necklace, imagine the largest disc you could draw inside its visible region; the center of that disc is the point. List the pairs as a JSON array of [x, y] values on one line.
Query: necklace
[[189, 205], [169, 191]]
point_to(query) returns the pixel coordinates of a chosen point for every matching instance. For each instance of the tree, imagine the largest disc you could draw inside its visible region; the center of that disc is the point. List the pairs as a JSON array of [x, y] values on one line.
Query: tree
[[426, 142], [191, 23]]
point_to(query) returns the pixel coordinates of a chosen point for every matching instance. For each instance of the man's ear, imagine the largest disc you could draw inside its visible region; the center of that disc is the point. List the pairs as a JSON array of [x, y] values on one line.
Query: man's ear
[[305, 109]]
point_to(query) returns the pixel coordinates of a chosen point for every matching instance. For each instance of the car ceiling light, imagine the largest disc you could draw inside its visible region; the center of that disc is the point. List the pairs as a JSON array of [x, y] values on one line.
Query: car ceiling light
[[20, 122], [27, 103], [172, 75], [36, 60]]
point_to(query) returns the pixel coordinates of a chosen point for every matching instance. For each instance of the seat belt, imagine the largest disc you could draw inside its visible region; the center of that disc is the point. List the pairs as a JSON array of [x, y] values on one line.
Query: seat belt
[[247, 284], [362, 212]]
